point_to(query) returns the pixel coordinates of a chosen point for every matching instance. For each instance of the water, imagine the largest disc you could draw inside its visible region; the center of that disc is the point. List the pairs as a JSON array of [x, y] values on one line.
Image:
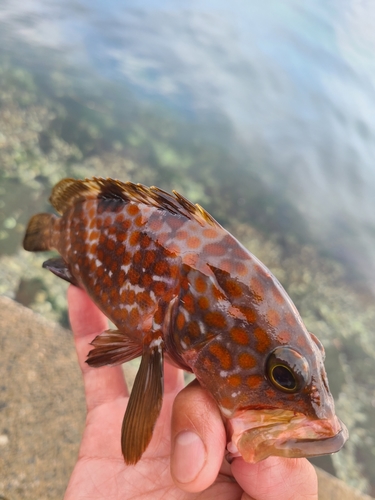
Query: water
[[264, 113], [294, 84]]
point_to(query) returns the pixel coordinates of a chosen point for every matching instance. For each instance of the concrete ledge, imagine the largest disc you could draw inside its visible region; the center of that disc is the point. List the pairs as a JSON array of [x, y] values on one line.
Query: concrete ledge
[[42, 410], [331, 488]]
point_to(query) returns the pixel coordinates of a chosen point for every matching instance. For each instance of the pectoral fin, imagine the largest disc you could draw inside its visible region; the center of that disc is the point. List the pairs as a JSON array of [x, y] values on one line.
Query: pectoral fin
[[59, 267], [113, 347], [144, 404]]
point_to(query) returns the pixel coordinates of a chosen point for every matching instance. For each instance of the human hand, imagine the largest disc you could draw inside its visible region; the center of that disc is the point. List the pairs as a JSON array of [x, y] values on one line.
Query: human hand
[[185, 458]]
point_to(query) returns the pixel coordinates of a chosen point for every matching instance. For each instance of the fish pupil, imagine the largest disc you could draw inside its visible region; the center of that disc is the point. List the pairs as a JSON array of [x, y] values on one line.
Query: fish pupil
[[284, 377]]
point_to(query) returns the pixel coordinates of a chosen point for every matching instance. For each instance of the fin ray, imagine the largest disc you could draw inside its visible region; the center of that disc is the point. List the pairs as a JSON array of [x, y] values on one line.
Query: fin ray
[[144, 406], [113, 347], [38, 233], [60, 268], [68, 191]]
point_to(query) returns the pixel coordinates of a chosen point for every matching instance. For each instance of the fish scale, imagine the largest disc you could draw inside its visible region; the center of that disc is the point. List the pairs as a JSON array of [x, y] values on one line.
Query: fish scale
[[176, 283]]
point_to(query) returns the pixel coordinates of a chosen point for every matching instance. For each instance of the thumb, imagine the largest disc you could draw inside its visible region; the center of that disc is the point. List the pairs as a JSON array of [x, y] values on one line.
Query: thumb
[[198, 439]]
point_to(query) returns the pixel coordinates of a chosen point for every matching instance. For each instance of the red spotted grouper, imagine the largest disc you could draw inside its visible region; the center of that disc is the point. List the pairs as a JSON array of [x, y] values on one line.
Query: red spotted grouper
[[178, 286]]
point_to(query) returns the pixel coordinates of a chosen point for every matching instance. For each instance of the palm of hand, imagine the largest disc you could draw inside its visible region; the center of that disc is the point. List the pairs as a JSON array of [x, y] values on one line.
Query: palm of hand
[[100, 472]]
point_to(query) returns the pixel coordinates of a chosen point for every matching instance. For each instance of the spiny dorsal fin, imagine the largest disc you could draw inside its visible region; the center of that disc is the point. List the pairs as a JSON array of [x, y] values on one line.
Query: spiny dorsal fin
[[68, 191]]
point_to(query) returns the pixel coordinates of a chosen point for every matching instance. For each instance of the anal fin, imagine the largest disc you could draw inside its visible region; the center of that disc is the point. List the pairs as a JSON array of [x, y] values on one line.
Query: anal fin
[[144, 404], [59, 267], [113, 347]]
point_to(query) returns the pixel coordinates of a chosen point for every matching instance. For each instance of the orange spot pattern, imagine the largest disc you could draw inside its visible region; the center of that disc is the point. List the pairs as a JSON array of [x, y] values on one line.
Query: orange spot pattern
[[188, 302], [200, 284], [234, 380], [214, 249], [239, 335], [180, 321], [277, 295], [263, 340], [210, 233], [233, 288], [193, 329], [132, 209], [215, 320], [193, 242], [134, 238], [161, 268], [273, 317], [254, 381], [203, 303], [246, 361], [249, 314], [290, 319], [222, 354], [257, 289]]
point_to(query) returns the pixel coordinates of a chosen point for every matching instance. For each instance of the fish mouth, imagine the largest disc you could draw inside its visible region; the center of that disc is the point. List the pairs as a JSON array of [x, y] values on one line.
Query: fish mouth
[[258, 434]]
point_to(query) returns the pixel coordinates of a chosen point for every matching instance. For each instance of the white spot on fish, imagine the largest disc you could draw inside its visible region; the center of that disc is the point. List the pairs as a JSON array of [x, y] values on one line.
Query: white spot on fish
[[98, 263], [156, 342], [125, 268], [225, 411], [185, 313], [202, 327]]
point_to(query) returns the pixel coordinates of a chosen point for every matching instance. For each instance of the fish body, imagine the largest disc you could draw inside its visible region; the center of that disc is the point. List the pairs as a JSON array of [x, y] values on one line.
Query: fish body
[[177, 284]]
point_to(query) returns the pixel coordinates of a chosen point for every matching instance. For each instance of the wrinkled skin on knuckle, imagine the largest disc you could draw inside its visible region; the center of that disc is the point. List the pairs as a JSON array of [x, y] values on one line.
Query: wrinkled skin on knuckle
[[195, 405]]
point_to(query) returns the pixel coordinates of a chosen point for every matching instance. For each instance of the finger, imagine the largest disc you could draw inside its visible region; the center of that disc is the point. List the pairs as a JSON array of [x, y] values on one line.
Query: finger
[[173, 379], [277, 478], [105, 384], [198, 439]]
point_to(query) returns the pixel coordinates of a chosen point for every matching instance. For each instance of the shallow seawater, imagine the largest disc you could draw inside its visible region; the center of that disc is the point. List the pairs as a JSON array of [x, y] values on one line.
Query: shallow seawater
[[265, 116]]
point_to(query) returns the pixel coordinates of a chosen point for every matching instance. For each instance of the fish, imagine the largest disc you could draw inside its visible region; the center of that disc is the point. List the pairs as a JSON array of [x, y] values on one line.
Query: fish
[[180, 288]]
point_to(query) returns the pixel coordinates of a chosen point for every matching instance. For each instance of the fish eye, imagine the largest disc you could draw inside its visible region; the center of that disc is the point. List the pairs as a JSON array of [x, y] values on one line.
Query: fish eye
[[287, 370], [283, 378]]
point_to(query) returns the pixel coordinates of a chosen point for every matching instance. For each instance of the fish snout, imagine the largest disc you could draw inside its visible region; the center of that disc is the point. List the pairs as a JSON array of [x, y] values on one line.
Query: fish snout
[[258, 434]]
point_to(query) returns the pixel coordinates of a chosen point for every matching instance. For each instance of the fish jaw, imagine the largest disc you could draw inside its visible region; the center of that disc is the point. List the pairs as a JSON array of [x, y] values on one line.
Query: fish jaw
[[258, 434]]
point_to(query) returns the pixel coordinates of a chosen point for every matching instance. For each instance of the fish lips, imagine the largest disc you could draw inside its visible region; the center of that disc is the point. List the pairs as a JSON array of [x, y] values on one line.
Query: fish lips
[[258, 434]]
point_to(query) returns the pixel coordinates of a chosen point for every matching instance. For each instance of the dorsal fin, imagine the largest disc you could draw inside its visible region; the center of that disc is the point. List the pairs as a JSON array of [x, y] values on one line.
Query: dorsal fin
[[68, 191]]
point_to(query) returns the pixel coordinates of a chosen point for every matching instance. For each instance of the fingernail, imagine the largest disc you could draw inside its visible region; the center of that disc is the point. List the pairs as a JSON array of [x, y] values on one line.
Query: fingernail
[[189, 456]]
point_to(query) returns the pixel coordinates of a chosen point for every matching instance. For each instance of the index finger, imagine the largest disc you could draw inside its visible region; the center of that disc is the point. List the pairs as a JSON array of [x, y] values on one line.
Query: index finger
[[277, 478], [105, 384]]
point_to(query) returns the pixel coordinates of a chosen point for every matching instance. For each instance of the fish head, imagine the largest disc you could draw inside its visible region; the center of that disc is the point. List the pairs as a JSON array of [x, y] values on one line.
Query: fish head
[[267, 374], [282, 406], [299, 420]]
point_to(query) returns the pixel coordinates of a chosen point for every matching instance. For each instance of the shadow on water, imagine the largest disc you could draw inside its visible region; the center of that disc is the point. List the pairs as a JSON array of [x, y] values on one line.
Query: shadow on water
[[252, 126]]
